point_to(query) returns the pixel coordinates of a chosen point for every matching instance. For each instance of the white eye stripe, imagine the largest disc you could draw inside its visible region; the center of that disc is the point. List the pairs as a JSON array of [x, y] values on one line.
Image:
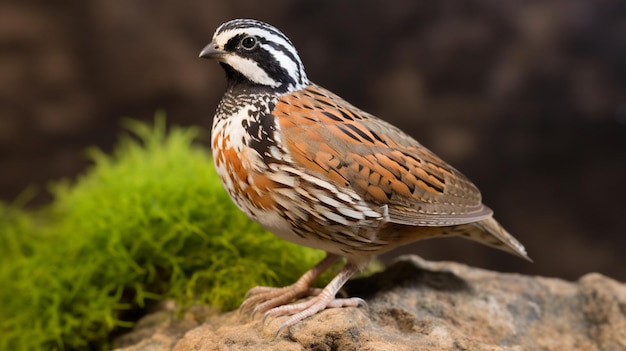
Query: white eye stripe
[[223, 38], [268, 33], [248, 23]]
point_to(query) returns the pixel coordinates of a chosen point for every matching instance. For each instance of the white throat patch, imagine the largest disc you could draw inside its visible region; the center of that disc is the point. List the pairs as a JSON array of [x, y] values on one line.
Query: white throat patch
[[251, 70]]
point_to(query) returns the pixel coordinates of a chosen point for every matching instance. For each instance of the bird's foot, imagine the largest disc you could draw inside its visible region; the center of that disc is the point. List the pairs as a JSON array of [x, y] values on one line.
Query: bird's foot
[[302, 310], [274, 302], [261, 299]]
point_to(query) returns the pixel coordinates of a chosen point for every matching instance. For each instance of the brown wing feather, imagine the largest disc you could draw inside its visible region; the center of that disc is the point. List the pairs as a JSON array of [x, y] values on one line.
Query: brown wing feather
[[328, 136]]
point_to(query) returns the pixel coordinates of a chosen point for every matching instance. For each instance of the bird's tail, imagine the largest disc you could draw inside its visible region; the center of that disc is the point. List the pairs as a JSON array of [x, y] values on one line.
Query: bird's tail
[[489, 232]]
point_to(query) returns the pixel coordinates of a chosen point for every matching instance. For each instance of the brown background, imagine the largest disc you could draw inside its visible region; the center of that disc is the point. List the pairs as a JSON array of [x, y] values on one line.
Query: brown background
[[527, 98]]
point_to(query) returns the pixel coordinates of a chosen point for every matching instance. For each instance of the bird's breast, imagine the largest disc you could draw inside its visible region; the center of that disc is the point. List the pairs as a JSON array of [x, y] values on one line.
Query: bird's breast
[[261, 177], [244, 140]]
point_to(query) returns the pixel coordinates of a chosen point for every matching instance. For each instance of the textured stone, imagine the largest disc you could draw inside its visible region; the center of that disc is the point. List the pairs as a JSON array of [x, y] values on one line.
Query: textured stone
[[416, 304]]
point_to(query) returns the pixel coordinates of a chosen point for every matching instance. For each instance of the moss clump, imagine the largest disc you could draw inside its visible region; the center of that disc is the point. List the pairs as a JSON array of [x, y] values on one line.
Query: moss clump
[[149, 222]]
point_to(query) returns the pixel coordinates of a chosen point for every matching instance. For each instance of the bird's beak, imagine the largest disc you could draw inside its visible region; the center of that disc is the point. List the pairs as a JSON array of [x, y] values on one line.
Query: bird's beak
[[211, 51]]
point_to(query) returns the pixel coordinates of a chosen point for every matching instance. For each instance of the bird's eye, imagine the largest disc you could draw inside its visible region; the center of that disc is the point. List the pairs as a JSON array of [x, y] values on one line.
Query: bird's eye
[[249, 43]]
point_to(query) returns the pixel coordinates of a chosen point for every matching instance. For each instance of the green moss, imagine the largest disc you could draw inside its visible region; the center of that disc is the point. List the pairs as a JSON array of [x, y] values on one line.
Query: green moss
[[149, 222]]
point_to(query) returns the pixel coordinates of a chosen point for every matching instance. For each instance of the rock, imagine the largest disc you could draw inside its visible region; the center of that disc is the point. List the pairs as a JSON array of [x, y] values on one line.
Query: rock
[[416, 304]]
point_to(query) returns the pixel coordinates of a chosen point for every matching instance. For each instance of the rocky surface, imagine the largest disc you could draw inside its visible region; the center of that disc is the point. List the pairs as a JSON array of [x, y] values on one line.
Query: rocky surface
[[416, 304]]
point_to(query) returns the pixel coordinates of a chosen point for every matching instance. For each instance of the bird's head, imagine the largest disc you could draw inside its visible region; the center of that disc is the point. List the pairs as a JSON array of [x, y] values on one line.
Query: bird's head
[[256, 54]]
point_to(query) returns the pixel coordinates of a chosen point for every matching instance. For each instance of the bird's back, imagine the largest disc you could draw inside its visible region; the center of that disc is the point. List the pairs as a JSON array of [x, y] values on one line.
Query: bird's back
[[330, 139]]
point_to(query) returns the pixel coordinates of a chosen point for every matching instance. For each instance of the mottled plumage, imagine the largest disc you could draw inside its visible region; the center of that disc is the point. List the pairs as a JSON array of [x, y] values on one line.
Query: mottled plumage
[[317, 171]]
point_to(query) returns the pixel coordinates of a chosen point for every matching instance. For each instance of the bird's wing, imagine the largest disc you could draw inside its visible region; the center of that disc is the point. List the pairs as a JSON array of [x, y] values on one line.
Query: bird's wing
[[332, 139]]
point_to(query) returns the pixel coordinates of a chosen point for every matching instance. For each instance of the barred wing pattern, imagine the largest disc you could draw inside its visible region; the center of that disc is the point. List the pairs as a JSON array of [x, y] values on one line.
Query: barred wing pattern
[[328, 136]]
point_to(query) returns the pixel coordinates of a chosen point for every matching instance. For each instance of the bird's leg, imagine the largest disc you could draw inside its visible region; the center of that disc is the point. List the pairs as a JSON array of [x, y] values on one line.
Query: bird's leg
[[262, 298], [325, 299]]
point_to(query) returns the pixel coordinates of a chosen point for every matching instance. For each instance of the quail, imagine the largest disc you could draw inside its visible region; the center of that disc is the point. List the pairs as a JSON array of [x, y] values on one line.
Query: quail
[[317, 171]]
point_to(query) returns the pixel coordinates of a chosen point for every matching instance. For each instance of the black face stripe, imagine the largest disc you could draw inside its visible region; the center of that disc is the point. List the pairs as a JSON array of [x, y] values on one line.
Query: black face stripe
[[272, 66], [233, 43], [264, 58], [287, 52]]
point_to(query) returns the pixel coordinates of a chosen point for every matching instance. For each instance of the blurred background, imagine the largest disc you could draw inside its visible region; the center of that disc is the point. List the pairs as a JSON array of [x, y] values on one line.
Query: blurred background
[[527, 98]]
